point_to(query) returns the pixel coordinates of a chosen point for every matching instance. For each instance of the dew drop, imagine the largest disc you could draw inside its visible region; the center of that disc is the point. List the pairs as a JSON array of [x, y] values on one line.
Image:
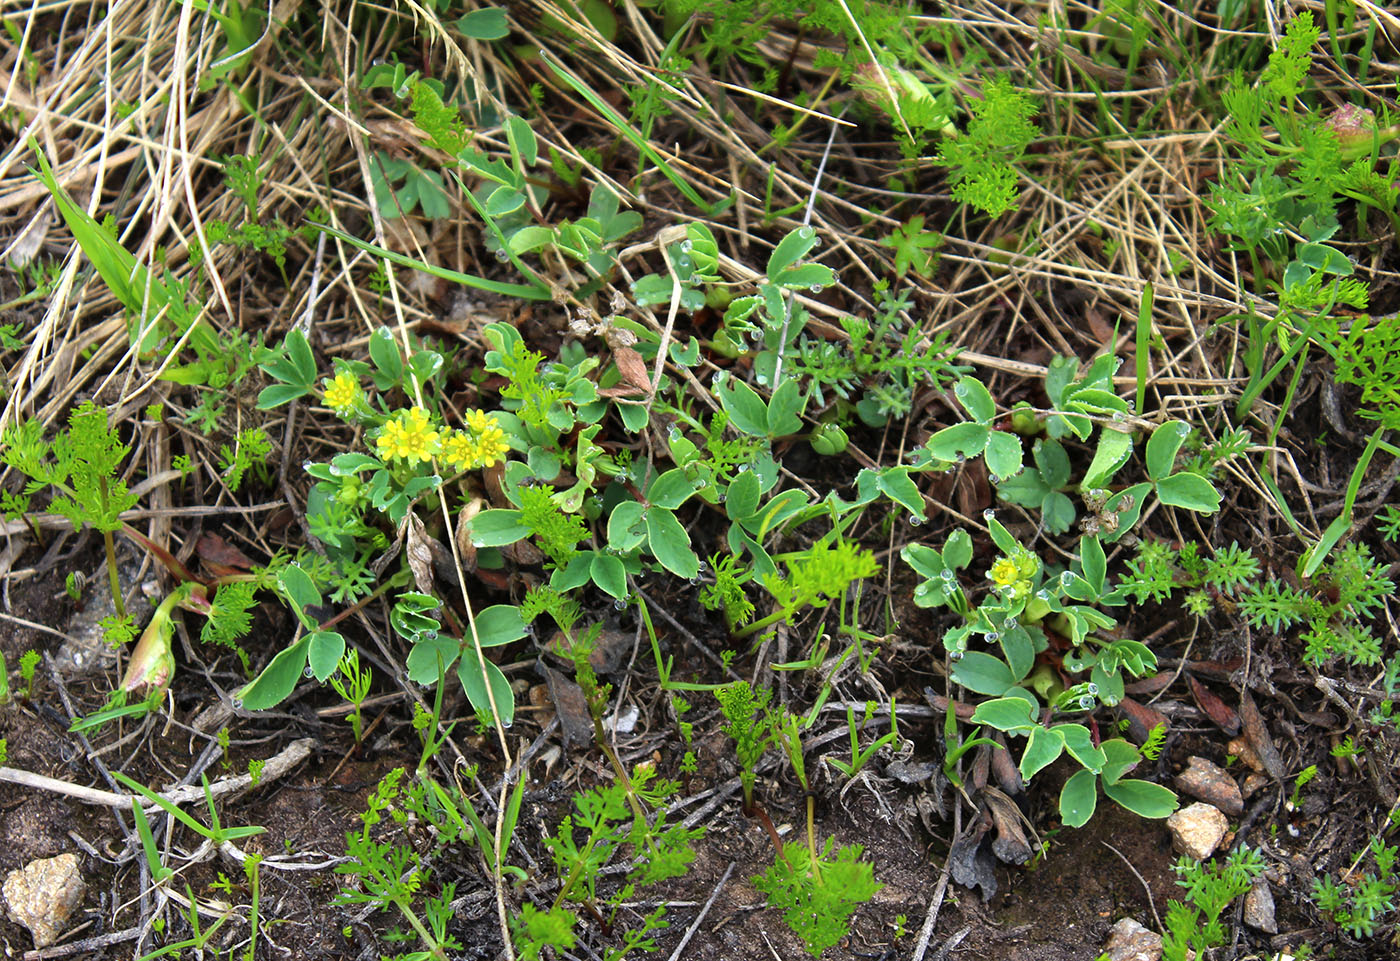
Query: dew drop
[[1067, 578], [993, 637], [674, 433], [806, 233], [815, 288], [718, 378], [960, 459], [946, 574], [1093, 689], [306, 465], [238, 703], [722, 498], [695, 581], [741, 468], [914, 520], [989, 514], [502, 256], [307, 671], [1086, 703], [702, 567], [1183, 429], [955, 656], [619, 605], [687, 246], [430, 635], [1043, 594]]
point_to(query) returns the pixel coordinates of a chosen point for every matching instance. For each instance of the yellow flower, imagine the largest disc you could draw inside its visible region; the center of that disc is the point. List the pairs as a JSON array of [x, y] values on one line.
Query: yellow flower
[[459, 450], [342, 391], [409, 436], [487, 436], [1004, 572]]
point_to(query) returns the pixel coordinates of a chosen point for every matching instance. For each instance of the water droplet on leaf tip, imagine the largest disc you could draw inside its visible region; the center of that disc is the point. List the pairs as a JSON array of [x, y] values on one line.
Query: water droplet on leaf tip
[[955, 656], [702, 567], [914, 520], [993, 637], [619, 605], [695, 582], [1092, 689], [1086, 703], [238, 703], [815, 288], [502, 256], [687, 246], [307, 671], [806, 233], [988, 514]]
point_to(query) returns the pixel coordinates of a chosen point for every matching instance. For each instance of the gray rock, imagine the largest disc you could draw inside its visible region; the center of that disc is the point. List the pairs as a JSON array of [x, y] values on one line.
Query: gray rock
[[1209, 782], [1130, 941], [43, 895], [1259, 908], [1197, 830]]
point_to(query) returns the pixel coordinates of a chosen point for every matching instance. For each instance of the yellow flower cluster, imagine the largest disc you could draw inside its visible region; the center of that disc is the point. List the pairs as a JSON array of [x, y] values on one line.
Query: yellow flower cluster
[[411, 436], [342, 392], [1014, 575]]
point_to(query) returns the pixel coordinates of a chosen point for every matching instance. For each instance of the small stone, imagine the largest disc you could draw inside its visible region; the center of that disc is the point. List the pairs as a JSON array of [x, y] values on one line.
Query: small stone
[[1130, 941], [1197, 830], [1259, 908], [1242, 749], [1211, 783], [43, 895], [1253, 781]]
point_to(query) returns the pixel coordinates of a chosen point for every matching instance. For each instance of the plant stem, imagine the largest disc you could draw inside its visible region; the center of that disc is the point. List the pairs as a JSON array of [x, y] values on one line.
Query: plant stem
[[110, 544]]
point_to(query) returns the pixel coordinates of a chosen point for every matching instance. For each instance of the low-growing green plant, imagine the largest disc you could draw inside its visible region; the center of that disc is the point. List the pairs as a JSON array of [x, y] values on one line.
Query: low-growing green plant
[[353, 683], [1193, 926], [1364, 902]]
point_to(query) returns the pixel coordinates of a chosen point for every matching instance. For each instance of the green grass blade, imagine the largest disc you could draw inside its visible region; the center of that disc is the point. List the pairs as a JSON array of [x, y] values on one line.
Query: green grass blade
[[522, 291], [625, 128]]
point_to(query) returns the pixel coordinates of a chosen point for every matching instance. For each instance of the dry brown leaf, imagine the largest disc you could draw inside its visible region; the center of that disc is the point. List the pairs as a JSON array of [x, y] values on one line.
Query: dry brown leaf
[[418, 552]]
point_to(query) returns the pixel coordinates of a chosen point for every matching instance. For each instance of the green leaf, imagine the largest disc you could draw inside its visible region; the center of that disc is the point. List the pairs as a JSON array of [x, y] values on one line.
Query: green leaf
[[625, 528], [1121, 757], [609, 574], [1058, 512], [1113, 451], [792, 248], [1016, 644], [469, 674], [745, 408], [983, 673], [1006, 714], [901, 489], [959, 441], [276, 395], [1143, 798], [1190, 491], [326, 648], [670, 544], [487, 23], [1162, 446], [1053, 462], [277, 680], [1080, 745], [974, 397], [785, 409], [522, 138], [384, 353], [1003, 455], [427, 654], [503, 201], [1078, 799], [957, 550], [1094, 563], [670, 490], [1042, 747], [810, 277], [496, 528], [499, 624], [741, 499], [298, 587], [924, 559]]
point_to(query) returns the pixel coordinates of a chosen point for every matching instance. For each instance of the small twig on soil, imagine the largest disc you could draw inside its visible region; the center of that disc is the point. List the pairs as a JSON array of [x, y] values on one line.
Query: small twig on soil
[[699, 918], [926, 932], [79, 947], [1151, 901], [292, 755]]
